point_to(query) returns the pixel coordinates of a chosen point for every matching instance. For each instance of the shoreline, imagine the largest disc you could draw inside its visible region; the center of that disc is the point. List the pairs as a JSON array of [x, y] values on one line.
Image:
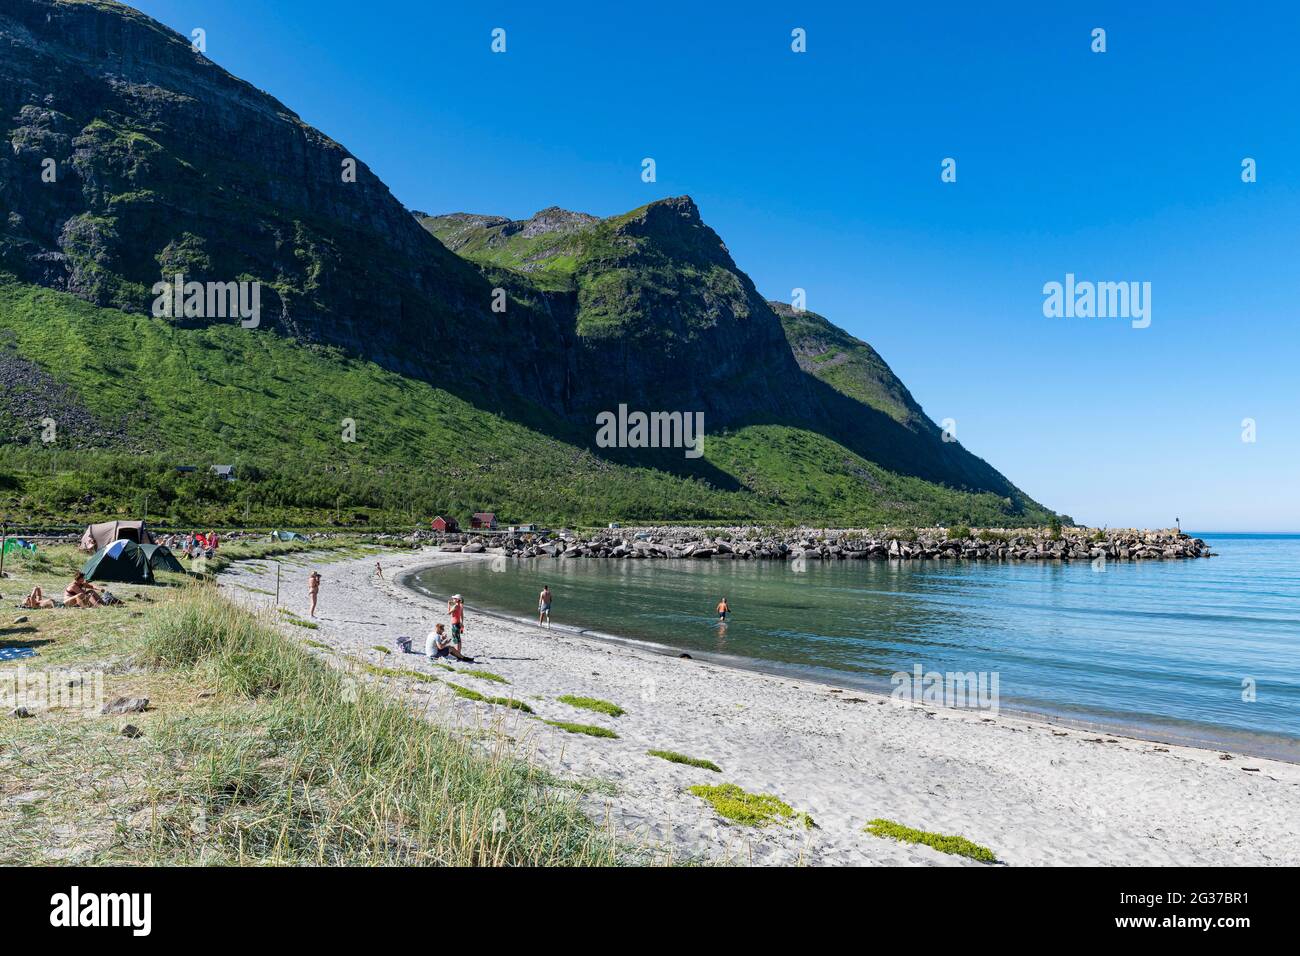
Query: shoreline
[[1275, 747], [1034, 791]]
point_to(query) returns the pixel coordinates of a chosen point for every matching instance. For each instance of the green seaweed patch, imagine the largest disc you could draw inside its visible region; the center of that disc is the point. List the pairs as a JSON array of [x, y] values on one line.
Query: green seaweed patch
[[592, 703], [749, 809], [469, 694], [591, 730], [673, 757], [392, 672], [957, 845], [296, 620], [380, 648], [320, 644], [481, 675]]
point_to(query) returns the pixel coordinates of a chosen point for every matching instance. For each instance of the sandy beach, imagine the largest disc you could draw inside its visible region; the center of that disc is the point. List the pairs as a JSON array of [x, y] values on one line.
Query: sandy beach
[[1033, 792]]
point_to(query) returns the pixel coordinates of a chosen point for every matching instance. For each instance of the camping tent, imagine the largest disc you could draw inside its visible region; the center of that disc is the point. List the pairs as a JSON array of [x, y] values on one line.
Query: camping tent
[[121, 561], [287, 536], [106, 532], [160, 558]]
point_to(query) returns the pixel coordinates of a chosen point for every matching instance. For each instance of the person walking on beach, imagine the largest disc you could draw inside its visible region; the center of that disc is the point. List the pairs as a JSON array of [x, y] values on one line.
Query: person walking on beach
[[313, 589], [544, 606], [379, 571], [724, 611]]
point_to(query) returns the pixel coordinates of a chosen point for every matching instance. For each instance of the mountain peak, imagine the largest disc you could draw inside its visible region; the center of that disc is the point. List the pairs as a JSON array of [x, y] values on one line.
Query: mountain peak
[[554, 219]]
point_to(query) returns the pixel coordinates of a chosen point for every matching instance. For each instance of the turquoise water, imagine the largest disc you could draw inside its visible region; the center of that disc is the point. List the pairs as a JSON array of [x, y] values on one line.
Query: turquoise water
[[1159, 648]]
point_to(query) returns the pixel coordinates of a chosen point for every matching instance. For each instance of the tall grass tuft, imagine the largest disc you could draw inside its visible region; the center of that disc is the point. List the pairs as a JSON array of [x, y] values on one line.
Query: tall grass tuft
[[309, 766]]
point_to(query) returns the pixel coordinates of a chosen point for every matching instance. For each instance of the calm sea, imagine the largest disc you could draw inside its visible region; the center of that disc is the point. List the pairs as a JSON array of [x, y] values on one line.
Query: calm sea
[[1201, 651]]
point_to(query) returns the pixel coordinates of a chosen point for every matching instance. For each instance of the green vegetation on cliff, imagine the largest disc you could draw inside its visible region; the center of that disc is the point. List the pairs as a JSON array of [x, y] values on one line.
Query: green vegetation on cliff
[[276, 410]]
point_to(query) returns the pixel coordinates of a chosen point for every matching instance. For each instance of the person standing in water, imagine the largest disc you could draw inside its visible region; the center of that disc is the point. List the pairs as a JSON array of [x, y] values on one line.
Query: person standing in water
[[724, 611], [313, 589], [544, 606]]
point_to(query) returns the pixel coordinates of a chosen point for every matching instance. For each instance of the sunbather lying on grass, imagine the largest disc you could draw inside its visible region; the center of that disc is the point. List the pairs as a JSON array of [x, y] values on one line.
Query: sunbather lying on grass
[[37, 599]]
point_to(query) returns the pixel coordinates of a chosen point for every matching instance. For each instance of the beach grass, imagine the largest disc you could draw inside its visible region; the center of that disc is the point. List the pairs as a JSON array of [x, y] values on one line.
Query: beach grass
[[748, 809], [673, 757], [957, 845], [591, 730], [592, 703], [255, 752]]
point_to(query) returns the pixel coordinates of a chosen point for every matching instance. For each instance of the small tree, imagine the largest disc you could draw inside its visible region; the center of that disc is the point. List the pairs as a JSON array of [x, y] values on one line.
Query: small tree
[[1054, 528]]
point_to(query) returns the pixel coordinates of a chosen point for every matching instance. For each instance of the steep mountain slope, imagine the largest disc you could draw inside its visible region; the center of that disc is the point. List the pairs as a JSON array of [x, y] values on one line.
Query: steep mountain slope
[[657, 283], [164, 163]]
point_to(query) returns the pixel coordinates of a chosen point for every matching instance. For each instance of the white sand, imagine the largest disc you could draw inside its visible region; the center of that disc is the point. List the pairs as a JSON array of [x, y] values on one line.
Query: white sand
[[1033, 792]]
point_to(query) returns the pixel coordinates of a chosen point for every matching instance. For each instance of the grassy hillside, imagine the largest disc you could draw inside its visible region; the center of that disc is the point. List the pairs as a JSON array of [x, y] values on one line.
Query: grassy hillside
[[276, 409]]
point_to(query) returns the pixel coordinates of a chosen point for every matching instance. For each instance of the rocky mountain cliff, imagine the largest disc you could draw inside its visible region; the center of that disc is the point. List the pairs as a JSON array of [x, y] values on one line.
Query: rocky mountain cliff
[[164, 163]]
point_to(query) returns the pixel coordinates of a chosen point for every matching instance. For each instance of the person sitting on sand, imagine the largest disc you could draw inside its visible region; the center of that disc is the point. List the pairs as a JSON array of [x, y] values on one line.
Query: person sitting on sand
[[37, 600], [439, 644], [313, 589], [724, 611], [544, 606], [81, 593]]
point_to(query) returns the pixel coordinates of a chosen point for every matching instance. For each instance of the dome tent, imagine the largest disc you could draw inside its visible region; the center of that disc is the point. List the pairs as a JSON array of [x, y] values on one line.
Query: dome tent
[[161, 558], [122, 561], [105, 533]]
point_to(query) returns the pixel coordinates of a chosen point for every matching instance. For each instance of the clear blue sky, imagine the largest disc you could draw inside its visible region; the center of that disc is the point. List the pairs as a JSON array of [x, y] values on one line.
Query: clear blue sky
[[821, 171]]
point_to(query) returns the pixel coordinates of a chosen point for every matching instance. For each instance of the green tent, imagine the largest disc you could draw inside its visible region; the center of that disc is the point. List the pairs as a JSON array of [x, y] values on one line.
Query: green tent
[[160, 558], [123, 561], [288, 536]]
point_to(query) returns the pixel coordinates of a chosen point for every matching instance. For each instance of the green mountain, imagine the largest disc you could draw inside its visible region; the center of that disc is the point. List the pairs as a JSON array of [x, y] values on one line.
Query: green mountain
[[469, 358]]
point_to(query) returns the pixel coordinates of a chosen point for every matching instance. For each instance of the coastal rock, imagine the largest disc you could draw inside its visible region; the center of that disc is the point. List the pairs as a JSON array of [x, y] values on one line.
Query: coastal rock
[[126, 705], [1070, 544]]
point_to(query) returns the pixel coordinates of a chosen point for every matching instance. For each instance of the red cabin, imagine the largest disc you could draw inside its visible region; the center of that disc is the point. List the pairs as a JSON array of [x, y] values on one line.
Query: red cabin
[[484, 520], [444, 525]]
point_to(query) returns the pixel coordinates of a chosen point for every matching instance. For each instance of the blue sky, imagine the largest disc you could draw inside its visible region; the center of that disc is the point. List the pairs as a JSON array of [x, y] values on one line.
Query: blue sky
[[822, 171]]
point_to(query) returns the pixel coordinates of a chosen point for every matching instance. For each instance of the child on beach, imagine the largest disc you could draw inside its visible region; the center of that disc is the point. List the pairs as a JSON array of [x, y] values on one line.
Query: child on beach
[[313, 589]]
